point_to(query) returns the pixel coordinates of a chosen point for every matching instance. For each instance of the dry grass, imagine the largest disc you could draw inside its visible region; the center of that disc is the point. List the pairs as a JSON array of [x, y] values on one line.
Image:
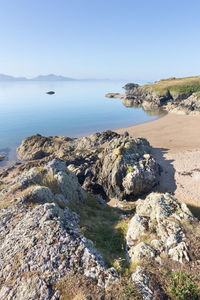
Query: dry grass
[[49, 181], [78, 287]]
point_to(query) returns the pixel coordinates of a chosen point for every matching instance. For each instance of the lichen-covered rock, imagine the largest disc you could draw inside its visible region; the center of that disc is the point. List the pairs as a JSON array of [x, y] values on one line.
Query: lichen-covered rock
[[127, 168], [30, 177], [159, 220], [106, 163], [40, 246], [141, 281], [142, 251]]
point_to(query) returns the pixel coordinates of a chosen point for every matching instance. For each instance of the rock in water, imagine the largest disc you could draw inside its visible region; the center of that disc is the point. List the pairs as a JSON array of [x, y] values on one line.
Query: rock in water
[[2, 156], [50, 93]]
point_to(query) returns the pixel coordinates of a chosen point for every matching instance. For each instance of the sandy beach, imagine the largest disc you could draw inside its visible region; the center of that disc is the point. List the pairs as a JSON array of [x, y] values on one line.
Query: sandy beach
[[176, 146]]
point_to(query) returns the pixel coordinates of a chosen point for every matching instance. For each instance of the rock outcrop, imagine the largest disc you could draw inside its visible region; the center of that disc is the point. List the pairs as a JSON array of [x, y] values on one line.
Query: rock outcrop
[[105, 163], [157, 229], [40, 237], [55, 222], [179, 95]]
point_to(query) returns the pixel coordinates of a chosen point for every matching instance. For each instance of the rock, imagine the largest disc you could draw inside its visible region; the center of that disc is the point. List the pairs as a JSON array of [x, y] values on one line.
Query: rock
[[50, 93], [130, 86], [126, 171], [37, 147], [40, 236], [41, 194], [2, 156], [166, 94], [67, 182], [142, 251], [107, 164], [114, 95], [30, 177], [180, 252], [141, 281], [159, 220]]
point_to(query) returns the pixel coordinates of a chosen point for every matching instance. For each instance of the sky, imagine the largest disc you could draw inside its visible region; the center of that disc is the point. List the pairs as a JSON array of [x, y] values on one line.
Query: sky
[[117, 39]]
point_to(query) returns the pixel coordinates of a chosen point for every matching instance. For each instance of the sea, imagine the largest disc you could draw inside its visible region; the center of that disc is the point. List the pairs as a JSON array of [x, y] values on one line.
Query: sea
[[78, 108]]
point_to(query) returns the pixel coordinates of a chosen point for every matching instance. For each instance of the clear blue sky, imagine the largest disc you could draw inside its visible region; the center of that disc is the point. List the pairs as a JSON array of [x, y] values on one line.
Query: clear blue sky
[[120, 39]]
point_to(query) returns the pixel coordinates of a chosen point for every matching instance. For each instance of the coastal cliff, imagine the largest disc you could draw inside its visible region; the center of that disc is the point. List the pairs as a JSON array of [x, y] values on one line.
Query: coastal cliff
[[62, 239]]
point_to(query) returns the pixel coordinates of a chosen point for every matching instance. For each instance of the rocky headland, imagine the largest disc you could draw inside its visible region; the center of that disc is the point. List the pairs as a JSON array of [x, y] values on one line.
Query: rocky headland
[[177, 95], [61, 238]]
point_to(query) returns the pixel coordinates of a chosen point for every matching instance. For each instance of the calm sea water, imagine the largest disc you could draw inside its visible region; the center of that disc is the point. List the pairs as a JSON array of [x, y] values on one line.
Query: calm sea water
[[76, 109]]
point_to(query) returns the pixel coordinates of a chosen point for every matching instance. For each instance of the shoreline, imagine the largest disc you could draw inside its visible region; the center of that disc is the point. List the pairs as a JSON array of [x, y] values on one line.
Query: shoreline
[[11, 155], [175, 142]]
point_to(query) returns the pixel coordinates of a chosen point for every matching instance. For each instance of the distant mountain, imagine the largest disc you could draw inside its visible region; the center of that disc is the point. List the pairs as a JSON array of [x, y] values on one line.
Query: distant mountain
[[51, 77], [4, 77]]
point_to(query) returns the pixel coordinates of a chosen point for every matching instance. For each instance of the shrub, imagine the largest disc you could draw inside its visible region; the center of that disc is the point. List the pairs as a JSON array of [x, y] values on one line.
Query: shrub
[[183, 287]]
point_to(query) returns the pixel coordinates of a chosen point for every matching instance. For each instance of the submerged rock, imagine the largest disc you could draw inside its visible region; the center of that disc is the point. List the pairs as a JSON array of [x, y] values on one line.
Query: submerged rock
[[2, 156]]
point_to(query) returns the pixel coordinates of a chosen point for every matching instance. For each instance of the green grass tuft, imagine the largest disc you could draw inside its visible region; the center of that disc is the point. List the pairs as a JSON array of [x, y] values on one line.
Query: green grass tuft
[[102, 225]]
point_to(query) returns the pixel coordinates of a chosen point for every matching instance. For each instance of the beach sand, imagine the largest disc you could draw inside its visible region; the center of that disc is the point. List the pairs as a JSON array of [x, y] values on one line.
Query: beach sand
[[176, 146]]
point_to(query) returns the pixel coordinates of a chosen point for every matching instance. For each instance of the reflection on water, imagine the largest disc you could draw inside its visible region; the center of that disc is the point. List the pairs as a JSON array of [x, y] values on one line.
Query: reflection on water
[[153, 111], [76, 109]]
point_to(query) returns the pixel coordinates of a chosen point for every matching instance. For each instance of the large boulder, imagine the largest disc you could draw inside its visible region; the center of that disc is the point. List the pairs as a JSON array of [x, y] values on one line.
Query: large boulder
[[106, 163], [157, 229], [127, 168]]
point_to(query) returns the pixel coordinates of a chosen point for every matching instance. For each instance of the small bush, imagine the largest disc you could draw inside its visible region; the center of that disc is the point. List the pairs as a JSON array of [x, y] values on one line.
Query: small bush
[[183, 287]]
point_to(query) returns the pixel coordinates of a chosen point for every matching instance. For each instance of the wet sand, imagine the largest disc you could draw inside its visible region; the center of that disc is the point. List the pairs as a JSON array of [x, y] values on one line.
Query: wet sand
[[176, 146]]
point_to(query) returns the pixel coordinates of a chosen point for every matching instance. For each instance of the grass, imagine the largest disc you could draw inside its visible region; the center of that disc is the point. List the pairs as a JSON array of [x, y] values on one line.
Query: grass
[[49, 181], [187, 85], [103, 226]]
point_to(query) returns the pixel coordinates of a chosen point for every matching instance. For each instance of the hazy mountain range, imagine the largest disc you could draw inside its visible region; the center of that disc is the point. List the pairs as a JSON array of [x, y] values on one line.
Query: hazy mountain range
[[49, 77]]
